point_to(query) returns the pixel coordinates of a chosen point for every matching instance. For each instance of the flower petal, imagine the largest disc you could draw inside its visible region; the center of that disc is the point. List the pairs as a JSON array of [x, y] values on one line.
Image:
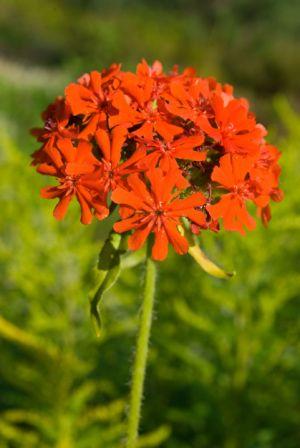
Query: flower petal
[[86, 214], [102, 138], [195, 200], [62, 207], [138, 238], [125, 197], [119, 134], [127, 224], [179, 243], [160, 246]]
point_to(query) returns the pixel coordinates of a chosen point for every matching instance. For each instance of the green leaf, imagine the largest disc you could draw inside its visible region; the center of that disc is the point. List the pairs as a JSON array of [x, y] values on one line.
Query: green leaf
[[107, 273], [200, 257], [206, 264], [155, 438], [15, 334]]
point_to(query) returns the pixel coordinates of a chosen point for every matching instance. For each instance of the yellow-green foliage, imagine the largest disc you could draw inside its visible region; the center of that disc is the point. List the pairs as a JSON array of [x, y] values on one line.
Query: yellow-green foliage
[[224, 362]]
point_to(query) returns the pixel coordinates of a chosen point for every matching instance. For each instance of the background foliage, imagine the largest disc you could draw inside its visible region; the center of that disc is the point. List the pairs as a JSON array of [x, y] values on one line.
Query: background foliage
[[224, 363]]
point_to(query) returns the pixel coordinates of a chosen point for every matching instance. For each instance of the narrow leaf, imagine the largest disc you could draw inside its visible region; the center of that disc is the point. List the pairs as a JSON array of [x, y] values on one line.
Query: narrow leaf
[[200, 257], [107, 273], [206, 264], [155, 438]]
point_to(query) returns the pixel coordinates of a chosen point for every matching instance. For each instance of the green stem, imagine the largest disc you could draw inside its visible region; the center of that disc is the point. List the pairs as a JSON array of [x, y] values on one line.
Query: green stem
[[139, 367]]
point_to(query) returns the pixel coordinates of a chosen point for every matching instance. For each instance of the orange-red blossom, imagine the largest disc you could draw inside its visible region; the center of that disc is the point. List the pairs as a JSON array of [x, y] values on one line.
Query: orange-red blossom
[[162, 147], [156, 209]]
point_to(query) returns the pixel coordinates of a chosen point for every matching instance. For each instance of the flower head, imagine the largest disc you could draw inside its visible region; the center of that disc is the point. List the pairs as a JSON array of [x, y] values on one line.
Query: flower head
[[161, 146]]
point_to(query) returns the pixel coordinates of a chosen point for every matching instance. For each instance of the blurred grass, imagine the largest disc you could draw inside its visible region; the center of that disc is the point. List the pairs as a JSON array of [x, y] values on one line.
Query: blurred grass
[[224, 362]]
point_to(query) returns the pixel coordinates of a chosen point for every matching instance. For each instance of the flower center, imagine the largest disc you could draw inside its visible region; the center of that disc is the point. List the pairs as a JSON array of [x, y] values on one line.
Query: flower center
[[50, 124], [69, 183]]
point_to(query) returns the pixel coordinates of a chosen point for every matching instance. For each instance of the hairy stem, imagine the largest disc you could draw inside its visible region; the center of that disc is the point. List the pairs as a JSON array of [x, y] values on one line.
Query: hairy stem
[[140, 361]]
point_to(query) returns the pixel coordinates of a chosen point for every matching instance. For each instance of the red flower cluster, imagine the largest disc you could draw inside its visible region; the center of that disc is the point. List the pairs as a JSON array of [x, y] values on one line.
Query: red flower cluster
[[162, 146]]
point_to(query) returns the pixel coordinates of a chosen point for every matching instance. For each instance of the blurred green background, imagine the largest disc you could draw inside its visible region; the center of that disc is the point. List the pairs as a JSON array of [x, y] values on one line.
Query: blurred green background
[[224, 364]]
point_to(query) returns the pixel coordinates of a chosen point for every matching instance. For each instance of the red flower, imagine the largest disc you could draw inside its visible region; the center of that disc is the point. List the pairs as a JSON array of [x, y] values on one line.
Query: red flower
[[78, 173], [111, 145], [56, 118], [186, 98], [235, 129], [56, 125], [154, 71], [91, 97], [138, 105], [189, 98], [231, 175], [164, 153], [265, 176], [156, 209], [266, 170]]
